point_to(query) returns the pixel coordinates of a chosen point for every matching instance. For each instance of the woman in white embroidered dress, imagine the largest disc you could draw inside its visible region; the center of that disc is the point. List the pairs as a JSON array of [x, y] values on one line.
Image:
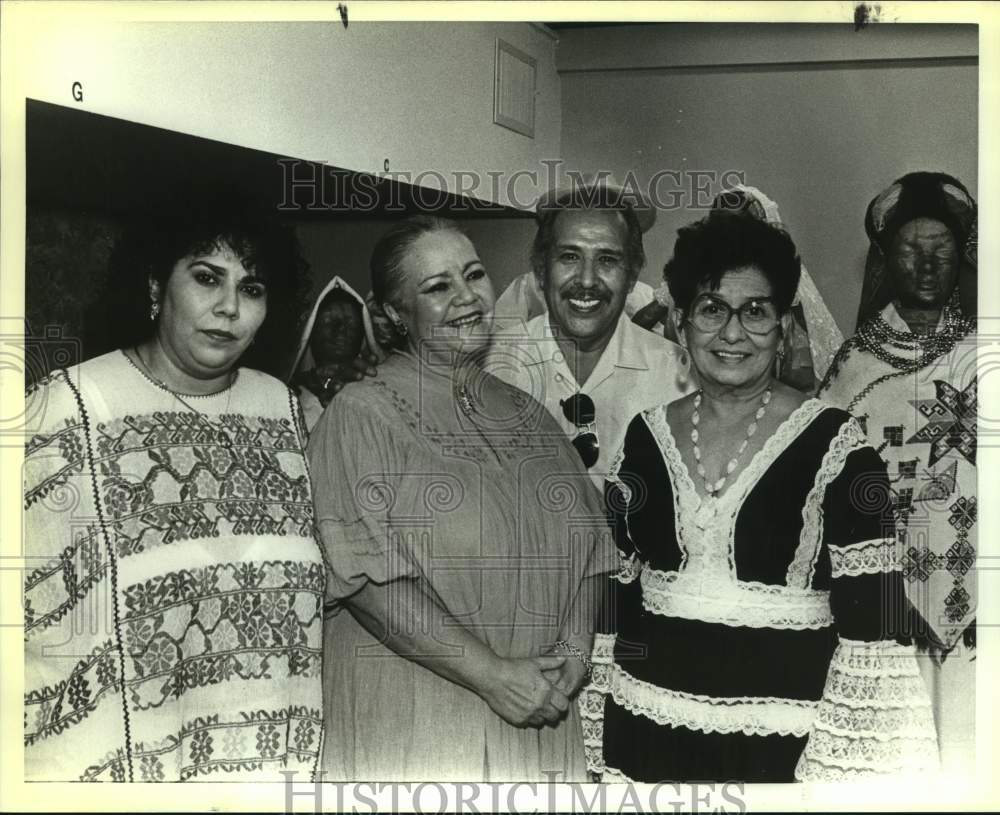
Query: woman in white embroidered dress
[[173, 606], [759, 594]]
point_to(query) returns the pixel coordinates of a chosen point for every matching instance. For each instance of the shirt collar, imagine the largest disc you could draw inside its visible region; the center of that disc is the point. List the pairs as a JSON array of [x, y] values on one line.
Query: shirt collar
[[625, 349]]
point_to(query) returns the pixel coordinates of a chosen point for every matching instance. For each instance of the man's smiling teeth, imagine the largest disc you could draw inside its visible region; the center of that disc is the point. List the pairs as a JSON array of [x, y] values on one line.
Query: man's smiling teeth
[[584, 305]]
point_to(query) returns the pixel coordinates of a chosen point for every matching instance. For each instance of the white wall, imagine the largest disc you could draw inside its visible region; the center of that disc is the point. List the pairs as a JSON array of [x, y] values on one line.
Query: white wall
[[818, 117], [419, 94], [344, 248]]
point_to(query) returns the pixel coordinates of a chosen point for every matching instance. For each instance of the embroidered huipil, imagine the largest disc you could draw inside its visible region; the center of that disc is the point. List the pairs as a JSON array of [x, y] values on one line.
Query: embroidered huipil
[[754, 630], [923, 425], [173, 591]]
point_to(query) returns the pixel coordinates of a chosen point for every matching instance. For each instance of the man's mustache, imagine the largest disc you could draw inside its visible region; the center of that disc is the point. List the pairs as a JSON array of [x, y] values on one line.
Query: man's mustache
[[577, 292]]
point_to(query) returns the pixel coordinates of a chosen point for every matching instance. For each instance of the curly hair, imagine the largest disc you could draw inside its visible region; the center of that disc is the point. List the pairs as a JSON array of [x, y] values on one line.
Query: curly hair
[[149, 249], [724, 241], [635, 255]]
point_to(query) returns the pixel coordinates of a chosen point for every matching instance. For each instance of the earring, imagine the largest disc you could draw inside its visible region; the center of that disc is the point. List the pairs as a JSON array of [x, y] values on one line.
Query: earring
[[400, 327], [779, 360], [154, 310]]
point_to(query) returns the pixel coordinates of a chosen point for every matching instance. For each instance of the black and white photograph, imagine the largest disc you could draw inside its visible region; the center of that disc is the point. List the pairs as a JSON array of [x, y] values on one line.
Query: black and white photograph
[[497, 406]]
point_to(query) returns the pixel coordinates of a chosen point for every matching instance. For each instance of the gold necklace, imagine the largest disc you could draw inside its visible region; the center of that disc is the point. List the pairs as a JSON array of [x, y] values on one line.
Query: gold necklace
[[222, 435]]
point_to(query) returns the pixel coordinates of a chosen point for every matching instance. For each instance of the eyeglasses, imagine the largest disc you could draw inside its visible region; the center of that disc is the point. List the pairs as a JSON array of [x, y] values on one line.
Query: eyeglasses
[[579, 409], [712, 314]]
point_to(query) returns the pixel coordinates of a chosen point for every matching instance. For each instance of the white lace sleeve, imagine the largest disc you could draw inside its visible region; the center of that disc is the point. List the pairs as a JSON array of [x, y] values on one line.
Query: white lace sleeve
[[874, 718]]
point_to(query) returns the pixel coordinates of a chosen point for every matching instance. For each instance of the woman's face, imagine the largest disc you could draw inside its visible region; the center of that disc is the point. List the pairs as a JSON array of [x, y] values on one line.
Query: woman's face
[[732, 357], [923, 262], [446, 295], [211, 307]]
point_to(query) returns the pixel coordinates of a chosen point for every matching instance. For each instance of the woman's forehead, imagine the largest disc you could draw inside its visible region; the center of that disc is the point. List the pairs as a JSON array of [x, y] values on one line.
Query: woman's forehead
[[438, 252], [220, 253], [745, 282]]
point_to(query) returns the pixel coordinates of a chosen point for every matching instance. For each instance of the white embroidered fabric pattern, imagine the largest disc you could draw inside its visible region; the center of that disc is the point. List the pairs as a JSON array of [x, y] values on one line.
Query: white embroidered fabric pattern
[[803, 565], [875, 716], [866, 557], [752, 716], [591, 701]]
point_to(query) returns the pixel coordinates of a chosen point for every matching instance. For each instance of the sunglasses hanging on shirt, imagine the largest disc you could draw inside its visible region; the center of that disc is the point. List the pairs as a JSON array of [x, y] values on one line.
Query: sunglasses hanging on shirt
[[579, 409]]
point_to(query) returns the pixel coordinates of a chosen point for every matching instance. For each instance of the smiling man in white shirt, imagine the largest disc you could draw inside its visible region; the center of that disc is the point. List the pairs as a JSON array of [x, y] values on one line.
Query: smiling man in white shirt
[[590, 366]]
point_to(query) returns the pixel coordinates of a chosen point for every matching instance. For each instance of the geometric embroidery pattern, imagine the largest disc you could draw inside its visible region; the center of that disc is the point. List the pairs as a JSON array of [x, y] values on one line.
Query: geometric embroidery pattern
[[166, 478], [49, 710], [195, 628], [960, 558], [919, 564], [145, 485], [208, 745], [951, 421], [963, 513], [957, 604]]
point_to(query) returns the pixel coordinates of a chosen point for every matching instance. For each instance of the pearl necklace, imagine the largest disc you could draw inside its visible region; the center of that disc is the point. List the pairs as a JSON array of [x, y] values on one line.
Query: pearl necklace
[[710, 488], [877, 337]]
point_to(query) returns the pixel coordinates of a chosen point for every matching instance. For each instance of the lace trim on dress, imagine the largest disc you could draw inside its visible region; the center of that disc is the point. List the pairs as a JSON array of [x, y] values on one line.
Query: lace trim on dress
[[702, 522], [752, 716], [800, 572], [875, 716], [611, 775], [714, 599], [866, 557], [629, 568], [656, 421], [591, 701]]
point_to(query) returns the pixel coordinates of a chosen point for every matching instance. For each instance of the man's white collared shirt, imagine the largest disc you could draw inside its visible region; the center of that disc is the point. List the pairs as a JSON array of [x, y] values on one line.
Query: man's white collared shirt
[[638, 370]]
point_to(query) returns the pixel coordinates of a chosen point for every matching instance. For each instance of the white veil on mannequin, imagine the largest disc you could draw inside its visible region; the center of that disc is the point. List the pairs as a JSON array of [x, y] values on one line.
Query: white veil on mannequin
[[311, 406], [303, 356]]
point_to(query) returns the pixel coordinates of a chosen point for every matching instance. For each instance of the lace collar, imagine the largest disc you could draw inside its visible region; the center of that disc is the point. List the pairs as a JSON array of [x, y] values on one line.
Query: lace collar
[[686, 495]]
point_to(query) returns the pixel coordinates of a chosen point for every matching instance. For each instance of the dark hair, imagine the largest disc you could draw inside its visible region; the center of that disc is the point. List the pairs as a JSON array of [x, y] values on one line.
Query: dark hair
[[725, 241], [635, 255], [386, 263], [149, 249]]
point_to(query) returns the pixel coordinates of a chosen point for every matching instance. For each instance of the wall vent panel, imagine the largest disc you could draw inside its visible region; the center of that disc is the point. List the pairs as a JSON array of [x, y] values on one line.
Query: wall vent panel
[[514, 89]]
